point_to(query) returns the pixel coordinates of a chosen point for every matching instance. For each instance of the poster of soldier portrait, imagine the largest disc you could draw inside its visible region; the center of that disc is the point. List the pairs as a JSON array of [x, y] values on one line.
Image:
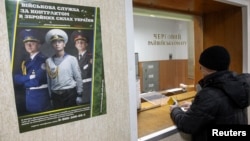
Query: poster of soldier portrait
[[57, 62]]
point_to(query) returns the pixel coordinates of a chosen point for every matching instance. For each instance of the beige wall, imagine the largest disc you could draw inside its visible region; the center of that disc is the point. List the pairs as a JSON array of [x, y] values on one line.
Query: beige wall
[[113, 126]]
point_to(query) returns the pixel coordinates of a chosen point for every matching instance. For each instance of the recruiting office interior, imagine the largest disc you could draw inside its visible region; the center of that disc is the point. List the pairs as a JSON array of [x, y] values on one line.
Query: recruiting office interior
[[167, 46], [164, 52]]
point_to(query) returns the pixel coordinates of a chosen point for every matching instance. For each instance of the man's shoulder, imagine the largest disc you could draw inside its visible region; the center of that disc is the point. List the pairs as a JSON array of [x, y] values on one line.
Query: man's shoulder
[[210, 93], [41, 56], [244, 78], [70, 58]]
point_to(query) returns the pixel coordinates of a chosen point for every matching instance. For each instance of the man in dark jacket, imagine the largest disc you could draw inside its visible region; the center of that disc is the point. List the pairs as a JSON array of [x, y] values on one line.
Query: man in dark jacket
[[222, 99]]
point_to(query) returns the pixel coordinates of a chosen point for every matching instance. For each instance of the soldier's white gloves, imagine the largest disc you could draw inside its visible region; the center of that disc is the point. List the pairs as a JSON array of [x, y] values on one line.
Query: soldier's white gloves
[[32, 76], [79, 100]]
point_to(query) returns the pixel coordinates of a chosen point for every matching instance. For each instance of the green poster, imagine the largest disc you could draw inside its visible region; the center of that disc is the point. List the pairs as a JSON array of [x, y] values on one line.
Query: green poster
[[57, 62]]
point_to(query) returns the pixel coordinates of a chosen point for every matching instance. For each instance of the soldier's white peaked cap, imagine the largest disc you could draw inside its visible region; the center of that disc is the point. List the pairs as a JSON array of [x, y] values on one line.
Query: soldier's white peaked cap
[[56, 34]]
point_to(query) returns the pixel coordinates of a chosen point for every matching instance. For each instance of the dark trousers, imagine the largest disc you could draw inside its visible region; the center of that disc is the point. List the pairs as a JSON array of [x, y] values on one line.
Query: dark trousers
[[86, 96], [64, 98]]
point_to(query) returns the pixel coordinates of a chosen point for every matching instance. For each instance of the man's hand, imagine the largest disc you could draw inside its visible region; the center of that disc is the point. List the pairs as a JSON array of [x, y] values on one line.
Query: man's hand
[[79, 100], [32, 76], [174, 105], [186, 105]]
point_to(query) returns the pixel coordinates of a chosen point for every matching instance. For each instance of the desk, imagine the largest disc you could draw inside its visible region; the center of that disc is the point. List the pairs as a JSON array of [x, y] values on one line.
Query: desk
[[158, 118]]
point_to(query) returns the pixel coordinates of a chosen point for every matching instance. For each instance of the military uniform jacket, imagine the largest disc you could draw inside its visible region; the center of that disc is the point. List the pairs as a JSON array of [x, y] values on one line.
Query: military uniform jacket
[[85, 63], [64, 76], [37, 95], [35, 66]]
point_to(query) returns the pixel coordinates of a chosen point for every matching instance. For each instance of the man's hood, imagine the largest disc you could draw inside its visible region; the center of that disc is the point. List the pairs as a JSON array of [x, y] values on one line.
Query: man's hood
[[236, 88]]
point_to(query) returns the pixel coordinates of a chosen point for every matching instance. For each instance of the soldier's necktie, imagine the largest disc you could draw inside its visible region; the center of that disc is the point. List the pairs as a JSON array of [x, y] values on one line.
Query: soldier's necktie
[[80, 57]]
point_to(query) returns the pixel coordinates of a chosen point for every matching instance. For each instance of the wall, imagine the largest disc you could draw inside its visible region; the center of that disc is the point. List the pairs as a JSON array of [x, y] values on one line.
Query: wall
[[219, 28], [171, 74], [158, 37], [120, 121], [165, 38]]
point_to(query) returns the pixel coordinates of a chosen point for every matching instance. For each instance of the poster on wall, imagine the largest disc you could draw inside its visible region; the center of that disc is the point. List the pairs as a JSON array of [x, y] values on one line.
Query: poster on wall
[[57, 62]]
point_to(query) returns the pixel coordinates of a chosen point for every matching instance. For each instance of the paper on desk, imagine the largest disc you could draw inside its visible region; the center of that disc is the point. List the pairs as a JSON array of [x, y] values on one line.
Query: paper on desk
[[171, 101], [155, 98]]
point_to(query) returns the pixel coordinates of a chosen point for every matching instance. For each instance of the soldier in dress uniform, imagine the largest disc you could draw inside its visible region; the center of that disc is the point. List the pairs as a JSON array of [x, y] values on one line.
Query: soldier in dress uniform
[[85, 62], [64, 75], [32, 74]]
